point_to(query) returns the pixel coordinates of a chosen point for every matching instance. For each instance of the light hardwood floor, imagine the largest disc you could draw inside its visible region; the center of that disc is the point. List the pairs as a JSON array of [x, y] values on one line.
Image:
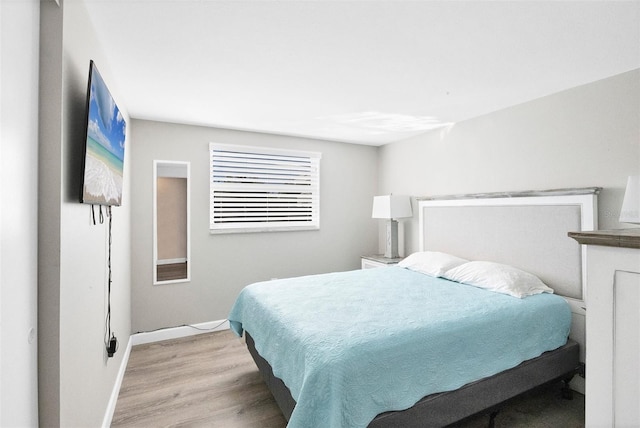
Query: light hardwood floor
[[210, 380], [204, 380]]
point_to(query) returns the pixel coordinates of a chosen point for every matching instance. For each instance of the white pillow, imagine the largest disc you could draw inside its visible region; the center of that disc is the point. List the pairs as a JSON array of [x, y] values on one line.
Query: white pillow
[[431, 262], [499, 278]]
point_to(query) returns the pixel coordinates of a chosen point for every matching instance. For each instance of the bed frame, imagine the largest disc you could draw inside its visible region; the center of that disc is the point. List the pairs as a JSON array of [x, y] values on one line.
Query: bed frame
[[439, 410], [524, 229]]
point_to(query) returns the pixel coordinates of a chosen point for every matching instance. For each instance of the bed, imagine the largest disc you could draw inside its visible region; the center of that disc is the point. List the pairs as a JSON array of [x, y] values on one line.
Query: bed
[[399, 347]]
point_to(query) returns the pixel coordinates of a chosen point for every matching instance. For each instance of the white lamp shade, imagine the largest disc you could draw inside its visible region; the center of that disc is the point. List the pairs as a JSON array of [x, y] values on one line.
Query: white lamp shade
[[391, 206], [630, 212]]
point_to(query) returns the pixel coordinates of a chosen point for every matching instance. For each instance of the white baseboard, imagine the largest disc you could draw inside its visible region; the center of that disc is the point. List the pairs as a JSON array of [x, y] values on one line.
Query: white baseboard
[[171, 261], [111, 407], [181, 331], [155, 336]]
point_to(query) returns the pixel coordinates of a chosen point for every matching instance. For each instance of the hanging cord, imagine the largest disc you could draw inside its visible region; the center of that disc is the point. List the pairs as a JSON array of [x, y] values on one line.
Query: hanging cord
[[111, 342], [100, 215]]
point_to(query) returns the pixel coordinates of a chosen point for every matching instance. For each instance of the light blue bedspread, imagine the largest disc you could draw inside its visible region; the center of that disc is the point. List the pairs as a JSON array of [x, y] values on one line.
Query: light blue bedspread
[[351, 345]]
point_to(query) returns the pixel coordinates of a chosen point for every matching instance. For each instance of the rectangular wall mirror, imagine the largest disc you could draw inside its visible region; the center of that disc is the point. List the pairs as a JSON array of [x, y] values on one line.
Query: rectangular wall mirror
[[171, 222]]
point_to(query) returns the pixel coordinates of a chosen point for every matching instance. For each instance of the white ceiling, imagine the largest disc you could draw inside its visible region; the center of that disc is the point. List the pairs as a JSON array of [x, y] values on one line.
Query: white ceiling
[[368, 72]]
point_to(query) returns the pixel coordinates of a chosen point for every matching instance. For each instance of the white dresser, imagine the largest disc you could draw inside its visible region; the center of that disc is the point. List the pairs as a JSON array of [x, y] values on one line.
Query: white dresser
[[612, 397]]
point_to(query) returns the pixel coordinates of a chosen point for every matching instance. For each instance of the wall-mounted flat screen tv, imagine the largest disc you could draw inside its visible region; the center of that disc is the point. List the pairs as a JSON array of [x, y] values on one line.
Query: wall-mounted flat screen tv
[[104, 145]]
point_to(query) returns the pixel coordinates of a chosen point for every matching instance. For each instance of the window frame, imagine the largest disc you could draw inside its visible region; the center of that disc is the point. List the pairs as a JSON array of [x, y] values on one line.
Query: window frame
[[293, 176]]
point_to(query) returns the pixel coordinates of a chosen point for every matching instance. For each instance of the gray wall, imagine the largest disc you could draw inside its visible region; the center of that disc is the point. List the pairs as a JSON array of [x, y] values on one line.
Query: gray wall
[[222, 264], [18, 207], [75, 376], [585, 136]]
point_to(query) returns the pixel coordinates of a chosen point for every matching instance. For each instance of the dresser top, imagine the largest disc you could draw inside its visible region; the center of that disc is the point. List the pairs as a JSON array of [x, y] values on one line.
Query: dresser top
[[628, 238]]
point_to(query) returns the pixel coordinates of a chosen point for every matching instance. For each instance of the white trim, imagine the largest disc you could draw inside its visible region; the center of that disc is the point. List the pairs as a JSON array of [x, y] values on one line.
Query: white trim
[[180, 331], [173, 281], [180, 169], [111, 406], [171, 261], [260, 149], [227, 230]]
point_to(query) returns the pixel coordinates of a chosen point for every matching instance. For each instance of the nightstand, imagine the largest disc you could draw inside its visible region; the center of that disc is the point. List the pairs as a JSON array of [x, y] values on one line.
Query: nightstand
[[378, 260]]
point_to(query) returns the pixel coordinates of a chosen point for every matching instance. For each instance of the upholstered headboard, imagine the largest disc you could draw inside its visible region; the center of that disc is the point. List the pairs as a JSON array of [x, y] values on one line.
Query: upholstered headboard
[[527, 230]]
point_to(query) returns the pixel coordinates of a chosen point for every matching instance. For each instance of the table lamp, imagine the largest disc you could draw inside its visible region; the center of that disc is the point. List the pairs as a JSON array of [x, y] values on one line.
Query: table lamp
[[391, 207]]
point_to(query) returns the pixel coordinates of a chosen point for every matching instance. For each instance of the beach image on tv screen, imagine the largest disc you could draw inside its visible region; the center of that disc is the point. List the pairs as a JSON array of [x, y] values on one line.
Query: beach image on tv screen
[[105, 147]]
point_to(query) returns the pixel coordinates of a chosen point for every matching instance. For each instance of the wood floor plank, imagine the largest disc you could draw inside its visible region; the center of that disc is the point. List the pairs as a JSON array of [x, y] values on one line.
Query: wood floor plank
[[210, 380], [204, 380]]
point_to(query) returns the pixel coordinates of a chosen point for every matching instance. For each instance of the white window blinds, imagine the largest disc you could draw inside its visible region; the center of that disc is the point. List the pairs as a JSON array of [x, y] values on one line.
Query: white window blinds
[[256, 189]]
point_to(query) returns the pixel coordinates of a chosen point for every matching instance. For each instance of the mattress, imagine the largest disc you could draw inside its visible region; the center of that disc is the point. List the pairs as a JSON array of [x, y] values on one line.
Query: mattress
[[352, 345]]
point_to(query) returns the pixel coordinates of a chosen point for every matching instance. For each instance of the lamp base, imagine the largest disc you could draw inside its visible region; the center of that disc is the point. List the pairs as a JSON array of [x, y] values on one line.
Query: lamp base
[[391, 248]]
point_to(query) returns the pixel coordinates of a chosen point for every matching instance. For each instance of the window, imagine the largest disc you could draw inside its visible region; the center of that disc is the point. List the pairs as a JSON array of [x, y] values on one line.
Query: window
[[256, 189]]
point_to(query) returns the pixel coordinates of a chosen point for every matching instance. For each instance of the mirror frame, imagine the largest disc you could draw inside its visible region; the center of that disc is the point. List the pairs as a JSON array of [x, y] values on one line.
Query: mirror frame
[[182, 165]]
